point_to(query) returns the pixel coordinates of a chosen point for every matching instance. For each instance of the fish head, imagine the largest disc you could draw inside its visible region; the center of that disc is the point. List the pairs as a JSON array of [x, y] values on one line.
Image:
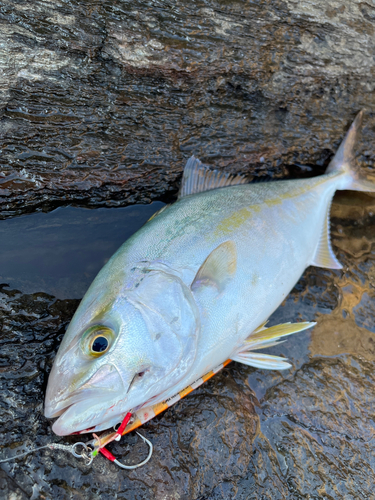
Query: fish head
[[125, 346]]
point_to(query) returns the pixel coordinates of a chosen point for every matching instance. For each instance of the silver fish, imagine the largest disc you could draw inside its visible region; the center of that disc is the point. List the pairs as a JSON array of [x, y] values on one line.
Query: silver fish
[[192, 288]]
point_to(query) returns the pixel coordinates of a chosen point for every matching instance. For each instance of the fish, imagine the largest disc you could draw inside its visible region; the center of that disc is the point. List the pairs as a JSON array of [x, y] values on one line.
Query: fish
[[194, 287]]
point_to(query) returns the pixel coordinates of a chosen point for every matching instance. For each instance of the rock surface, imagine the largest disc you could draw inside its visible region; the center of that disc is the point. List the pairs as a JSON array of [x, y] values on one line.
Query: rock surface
[[101, 104]]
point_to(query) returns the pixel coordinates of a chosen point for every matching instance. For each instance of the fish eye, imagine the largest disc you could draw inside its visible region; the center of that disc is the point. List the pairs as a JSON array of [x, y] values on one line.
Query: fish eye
[[97, 340], [99, 344]]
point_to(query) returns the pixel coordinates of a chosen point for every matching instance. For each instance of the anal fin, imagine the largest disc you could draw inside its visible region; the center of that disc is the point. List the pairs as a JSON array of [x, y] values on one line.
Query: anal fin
[[324, 256], [267, 337]]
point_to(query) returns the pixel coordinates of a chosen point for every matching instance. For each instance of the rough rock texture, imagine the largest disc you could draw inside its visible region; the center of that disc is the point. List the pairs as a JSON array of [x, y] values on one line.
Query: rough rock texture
[[102, 102]]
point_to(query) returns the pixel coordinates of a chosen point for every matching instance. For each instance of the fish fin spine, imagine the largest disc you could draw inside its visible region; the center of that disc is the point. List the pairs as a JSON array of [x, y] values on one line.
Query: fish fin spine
[[198, 178], [344, 161]]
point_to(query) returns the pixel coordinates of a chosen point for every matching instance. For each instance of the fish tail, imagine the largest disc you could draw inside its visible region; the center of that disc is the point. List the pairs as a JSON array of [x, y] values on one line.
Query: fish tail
[[344, 162]]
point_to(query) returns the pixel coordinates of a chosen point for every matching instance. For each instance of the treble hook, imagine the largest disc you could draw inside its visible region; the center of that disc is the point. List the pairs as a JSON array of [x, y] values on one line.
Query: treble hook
[[113, 459]]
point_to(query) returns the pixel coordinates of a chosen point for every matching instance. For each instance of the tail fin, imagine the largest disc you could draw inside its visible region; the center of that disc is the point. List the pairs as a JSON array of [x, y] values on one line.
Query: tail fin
[[344, 161]]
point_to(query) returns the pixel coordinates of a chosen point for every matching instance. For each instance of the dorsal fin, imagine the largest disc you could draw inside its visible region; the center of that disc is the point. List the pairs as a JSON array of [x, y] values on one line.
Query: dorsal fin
[[198, 178], [324, 256]]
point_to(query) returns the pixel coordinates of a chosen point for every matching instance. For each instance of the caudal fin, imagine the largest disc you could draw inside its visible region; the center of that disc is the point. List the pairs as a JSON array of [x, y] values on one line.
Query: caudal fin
[[344, 161]]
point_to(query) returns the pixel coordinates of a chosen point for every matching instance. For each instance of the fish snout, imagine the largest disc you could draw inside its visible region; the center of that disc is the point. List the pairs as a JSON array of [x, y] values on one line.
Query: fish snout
[[104, 385]]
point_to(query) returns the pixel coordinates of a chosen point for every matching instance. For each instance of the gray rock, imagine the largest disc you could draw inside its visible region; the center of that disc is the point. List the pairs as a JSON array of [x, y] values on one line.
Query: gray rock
[[102, 102]]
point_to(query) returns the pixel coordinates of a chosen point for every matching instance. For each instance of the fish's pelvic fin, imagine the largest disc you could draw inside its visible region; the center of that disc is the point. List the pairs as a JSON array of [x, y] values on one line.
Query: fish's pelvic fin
[[344, 161], [259, 360], [263, 336], [267, 337], [218, 268], [324, 256], [198, 178]]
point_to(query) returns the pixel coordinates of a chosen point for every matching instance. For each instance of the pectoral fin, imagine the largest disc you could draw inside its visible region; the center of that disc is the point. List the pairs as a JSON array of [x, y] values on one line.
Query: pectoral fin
[[219, 267], [267, 337]]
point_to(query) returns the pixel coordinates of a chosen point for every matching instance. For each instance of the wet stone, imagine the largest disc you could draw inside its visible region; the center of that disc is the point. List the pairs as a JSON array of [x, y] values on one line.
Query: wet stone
[[101, 103], [322, 446]]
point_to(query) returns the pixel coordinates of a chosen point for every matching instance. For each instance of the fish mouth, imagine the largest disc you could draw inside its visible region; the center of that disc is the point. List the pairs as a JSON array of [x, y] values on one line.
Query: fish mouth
[[90, 405], [93, 414], [84, 416], [54, 409]]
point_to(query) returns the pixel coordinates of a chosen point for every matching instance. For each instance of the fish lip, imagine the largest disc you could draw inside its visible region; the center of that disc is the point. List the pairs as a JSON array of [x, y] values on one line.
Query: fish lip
[[60, 428], [57, 409], [63, 430], [60, 407], [68, 426], [91, 388]]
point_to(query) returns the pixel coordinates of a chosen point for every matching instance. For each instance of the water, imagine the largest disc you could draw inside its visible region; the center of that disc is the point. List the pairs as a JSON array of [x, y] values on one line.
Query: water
[[61, 252], [246, 433]]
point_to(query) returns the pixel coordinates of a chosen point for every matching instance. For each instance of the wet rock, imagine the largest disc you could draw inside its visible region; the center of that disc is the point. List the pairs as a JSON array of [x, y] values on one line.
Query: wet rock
[[102, 103], [317, 433], [10, 489]]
